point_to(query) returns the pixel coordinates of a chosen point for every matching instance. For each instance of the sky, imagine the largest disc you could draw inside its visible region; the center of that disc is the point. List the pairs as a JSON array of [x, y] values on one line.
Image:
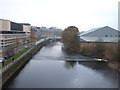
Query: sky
[[84, 14]]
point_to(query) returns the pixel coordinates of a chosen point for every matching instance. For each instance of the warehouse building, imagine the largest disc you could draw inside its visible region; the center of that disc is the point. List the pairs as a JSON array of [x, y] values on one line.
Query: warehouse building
[[102, 34]]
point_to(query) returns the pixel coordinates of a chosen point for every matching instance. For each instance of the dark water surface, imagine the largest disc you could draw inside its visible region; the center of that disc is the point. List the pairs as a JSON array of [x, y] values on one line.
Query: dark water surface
[[49, 69]]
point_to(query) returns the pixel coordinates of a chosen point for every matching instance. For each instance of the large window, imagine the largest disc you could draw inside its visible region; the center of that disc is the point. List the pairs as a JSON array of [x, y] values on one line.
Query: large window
[[11, 32], [16, 26]]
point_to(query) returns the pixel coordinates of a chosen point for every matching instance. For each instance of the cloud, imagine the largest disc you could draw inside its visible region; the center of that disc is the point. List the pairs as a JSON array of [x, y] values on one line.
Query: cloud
[[61, 13]]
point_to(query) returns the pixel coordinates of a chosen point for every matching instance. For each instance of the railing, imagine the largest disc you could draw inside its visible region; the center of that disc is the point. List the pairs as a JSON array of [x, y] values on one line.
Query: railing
[[11, 63]]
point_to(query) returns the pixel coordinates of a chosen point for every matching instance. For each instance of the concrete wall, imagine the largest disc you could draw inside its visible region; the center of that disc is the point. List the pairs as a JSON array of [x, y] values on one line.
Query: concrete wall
[[0, 25], [4, 25], [26, 28]]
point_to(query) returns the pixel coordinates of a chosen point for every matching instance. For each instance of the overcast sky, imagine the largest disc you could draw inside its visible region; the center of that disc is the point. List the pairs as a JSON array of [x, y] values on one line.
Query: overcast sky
[[84, 14]]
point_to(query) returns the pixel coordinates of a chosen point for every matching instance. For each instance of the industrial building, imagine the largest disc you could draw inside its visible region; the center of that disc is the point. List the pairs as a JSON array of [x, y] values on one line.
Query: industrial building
[[102, 34]]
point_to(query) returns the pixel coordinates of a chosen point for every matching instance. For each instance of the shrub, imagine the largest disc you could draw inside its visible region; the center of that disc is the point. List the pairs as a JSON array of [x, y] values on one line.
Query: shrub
[[108, 51]]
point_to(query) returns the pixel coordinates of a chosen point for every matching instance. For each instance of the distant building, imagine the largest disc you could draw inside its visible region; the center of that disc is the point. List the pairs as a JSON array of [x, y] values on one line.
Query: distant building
[[57, 31], [46, 32], [12, 33], [102, 34], [35, 33], [43, 32]]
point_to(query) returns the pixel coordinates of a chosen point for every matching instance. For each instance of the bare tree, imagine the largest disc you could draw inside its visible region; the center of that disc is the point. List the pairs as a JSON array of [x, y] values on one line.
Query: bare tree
[[70, 39], [10, 51]]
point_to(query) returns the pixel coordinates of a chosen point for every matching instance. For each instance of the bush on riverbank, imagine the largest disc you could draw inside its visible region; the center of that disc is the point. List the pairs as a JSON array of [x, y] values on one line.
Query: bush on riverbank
[[107, 51]]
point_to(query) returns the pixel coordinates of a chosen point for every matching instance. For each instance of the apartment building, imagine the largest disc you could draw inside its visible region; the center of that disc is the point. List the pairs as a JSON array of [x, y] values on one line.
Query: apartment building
[[12, 33]]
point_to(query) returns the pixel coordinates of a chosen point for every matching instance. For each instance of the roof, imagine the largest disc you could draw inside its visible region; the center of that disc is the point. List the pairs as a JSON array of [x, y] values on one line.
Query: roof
[[82, 40], [4, 19], [24, 23], [95, 29]]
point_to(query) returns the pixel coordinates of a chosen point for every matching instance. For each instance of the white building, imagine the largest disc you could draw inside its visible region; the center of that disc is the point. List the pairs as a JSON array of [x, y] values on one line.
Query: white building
[[102, 34]]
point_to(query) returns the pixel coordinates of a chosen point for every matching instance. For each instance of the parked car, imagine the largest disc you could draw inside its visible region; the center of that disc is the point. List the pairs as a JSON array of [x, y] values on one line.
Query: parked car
[[26, 46], [1, 60]]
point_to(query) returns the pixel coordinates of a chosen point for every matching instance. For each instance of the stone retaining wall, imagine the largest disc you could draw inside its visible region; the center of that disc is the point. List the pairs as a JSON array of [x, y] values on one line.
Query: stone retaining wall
[[16, 67]]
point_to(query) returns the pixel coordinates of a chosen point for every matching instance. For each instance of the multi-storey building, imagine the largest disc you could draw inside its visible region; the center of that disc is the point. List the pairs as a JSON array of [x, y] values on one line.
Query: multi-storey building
[[12, 33]]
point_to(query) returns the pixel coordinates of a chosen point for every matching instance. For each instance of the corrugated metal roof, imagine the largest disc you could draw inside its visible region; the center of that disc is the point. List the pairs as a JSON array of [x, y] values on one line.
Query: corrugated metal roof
[[94, 29]]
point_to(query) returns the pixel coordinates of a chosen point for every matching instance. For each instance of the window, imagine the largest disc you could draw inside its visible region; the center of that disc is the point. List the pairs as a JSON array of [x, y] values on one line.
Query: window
[[111, 35], [105, 35]]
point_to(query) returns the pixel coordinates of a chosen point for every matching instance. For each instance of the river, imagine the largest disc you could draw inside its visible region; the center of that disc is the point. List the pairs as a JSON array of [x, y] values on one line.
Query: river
[[49, 68]]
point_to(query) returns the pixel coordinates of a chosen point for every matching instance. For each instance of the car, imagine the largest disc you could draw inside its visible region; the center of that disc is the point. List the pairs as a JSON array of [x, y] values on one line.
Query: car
[[1, 60], [26, 46]]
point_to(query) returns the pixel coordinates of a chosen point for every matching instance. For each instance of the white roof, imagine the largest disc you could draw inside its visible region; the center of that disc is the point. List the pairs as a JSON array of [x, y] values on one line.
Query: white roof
[[94, 29]]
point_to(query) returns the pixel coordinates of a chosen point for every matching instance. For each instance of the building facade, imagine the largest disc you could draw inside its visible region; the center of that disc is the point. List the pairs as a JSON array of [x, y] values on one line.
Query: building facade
[[102, 34], [43, 32], [12, 33]]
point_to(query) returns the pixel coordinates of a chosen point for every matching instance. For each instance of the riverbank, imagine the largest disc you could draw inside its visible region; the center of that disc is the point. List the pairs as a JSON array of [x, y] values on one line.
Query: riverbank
[[47, 70], [16, 67], [114, 65], [103, 50]]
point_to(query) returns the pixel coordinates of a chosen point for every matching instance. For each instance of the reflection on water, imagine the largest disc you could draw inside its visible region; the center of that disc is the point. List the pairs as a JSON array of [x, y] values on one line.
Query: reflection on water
[[95, 65], [53, 51], [70, 64], [48, 69], [101, 68]]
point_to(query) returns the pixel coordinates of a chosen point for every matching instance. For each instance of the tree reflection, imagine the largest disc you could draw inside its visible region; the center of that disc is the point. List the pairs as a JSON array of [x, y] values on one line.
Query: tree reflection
[[102, 68], [94, 65], [70, 64]]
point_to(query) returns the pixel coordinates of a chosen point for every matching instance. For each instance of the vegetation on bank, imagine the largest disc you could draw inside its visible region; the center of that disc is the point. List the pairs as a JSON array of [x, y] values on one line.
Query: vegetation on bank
[[107, 51], [70, 39], [103, 50]]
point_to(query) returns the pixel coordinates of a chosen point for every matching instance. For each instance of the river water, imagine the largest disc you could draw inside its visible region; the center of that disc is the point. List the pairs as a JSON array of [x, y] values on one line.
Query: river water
[[50, 68]]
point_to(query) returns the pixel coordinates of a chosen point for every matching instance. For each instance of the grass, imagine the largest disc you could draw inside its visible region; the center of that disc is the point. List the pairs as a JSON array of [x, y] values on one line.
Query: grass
[[18, 45], [15, 57]]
